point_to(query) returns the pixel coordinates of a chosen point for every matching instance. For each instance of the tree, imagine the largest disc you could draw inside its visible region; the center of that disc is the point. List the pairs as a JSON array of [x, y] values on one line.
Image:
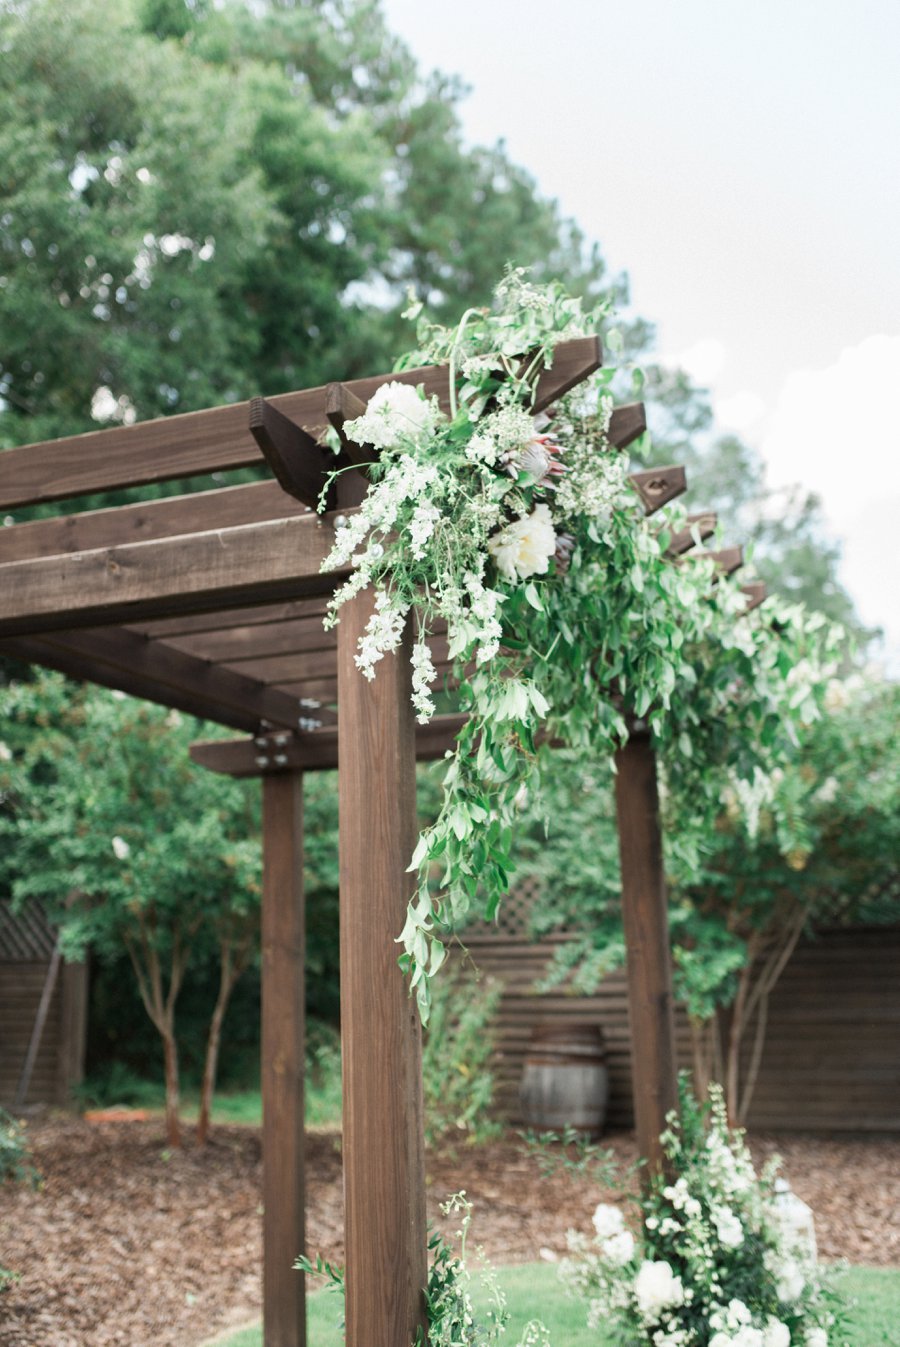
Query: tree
[[106, 821], [814, 844]]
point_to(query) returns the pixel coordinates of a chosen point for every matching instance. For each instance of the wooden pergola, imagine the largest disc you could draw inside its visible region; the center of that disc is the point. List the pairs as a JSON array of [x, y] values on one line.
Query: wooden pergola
[[212, 603]]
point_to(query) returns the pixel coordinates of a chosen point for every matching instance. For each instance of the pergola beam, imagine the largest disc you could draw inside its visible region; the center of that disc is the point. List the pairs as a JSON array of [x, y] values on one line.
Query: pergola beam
[[220, 438], [124, 660], [315, 751], [253, 563]]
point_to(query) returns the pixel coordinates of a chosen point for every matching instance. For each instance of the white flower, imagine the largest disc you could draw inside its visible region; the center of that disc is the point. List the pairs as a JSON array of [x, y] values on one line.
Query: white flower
[[525, 546], [655, 1288], [121, 848], [619, 1249], [608, 1221], [5, 752], [748, 1337], [394, 410], [816, 1337], [728, 1227], [790, 1281], [776, 1334]]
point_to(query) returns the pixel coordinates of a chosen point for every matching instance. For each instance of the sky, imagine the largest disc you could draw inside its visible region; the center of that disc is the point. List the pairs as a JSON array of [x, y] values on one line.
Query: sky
[[741, 162]]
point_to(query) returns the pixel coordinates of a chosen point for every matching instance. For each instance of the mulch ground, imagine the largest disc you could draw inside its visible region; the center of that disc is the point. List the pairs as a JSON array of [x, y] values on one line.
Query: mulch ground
[[128, 1243]]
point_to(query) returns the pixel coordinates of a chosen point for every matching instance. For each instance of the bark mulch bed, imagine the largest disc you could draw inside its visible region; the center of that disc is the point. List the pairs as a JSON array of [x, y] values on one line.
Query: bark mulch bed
[[128, 1243]]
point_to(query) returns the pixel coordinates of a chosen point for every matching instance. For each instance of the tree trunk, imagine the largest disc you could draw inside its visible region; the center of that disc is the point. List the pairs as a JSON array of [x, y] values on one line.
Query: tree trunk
[[230, 968], [173, 1102]]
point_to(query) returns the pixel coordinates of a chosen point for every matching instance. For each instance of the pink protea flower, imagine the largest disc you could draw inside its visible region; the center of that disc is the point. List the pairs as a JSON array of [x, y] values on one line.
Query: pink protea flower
[[540, 459]]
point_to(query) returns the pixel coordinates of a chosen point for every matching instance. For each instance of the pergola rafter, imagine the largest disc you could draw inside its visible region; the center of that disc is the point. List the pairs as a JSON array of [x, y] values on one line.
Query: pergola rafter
[[212, 603]]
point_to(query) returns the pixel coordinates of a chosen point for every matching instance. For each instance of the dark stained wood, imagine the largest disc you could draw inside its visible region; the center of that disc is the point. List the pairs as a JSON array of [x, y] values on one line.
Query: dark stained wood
[[342, 404], [573, 362], [700, 526], [197, 513], [228, 618], [756, 593], [627, 424], [657, 486], [315, 751], [268, 562], [384, 1171], [122, 659], [258, 641], [648, 960], [283, 1055], [298, 462], [727, 559], [217, 439]]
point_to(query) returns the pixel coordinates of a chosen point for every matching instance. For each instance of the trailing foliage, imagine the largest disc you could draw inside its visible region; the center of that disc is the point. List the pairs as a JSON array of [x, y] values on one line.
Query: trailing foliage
[[564, 616]]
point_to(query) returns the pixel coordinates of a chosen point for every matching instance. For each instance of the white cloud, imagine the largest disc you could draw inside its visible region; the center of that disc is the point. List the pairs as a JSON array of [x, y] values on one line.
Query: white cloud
[[834, 430], [703, 361], [741, 412]]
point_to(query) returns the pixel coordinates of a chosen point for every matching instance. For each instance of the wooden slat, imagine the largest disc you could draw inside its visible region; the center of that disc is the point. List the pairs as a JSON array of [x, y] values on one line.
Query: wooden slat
[[383, 1148], [229, 618], [122, 659], [298, 462], [657, 486], [756, 593], [217, 439], [315, 751], [700, 526], [257, 642], [267, 562], [573, 362], [283, 1011], [197, 513], [627, 424]]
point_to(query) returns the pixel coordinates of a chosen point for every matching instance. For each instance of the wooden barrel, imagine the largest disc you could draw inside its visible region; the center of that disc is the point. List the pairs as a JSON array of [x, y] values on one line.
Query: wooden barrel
[[565, 1082]]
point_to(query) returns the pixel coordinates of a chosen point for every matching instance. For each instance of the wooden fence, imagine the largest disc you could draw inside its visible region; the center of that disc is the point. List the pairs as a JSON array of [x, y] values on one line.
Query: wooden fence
[[26, 952], [832, 1055]]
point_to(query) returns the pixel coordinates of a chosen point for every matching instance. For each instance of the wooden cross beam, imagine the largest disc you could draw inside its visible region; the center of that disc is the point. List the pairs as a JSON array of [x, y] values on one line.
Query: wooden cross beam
[[756, 593], [267, 562], [657, 486], [298, 462], [280, 751], [699, 526]]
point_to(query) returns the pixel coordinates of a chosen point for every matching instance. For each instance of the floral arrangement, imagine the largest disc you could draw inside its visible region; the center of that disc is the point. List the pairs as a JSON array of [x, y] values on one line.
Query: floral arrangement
[[716, 1257], [521, 538]]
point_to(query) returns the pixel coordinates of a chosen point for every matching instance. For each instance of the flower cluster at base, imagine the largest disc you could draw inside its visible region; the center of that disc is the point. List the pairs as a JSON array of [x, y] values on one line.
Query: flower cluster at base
[[718, 1260]]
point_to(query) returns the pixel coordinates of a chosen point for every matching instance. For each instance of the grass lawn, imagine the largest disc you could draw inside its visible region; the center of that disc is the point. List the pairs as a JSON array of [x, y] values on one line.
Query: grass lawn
[[534, 1292]]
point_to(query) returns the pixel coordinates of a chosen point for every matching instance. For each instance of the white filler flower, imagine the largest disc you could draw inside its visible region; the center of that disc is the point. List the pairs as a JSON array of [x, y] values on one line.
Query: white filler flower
[[608, 1221], [656, 1287], [525, 546]]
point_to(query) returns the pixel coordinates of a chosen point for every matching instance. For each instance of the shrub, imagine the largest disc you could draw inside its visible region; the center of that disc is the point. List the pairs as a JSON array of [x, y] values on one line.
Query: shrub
[[456, 1052]]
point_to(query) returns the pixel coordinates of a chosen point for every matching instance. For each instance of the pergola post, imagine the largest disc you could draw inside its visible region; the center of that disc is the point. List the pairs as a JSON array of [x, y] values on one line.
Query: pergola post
[[383, 1148], [283, 1010], [649, 967]]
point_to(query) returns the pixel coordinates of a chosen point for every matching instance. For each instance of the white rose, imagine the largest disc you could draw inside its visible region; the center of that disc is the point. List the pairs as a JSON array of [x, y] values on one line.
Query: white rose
[[121, 848], [608, 1221], [525, 546], [393, 410], [776, 1334], [816, 1337], [720, 1340], [619, 1249], [656, 1287]]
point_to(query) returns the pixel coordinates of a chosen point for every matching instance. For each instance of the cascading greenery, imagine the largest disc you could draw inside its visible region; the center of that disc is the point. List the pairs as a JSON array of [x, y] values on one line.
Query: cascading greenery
[[565, 618]]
